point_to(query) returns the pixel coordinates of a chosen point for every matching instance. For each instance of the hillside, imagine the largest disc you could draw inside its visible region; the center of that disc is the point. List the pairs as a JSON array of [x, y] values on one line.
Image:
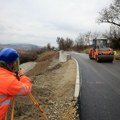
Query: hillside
[[20, 46]]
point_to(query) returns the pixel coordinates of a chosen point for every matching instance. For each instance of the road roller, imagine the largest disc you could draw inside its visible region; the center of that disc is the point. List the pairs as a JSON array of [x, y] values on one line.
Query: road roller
[[101, 51]]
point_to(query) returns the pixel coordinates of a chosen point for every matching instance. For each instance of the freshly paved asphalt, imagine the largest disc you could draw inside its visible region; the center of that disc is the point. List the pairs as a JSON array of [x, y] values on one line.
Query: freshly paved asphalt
[[100, 89]]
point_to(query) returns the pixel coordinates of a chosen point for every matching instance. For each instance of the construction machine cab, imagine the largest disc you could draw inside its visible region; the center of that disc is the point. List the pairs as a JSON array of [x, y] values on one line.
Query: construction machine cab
[[100, 43]]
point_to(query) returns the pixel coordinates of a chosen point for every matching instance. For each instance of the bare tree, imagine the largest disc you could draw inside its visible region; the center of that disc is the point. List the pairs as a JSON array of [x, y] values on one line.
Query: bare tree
[[95, 35], [87, 38], [61, 43], [49, 46], [68, 43], [64, 44], [111, 15], [80, 40], [84, 40], [114, 36]]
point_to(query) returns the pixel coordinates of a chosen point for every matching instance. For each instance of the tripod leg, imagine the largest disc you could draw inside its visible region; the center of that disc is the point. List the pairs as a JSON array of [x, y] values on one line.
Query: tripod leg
[[35, 102], [38, 106], [6, 116], [12, 112]]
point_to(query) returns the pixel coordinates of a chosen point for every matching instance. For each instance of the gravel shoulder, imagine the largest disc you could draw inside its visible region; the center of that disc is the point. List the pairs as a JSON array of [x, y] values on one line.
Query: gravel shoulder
[[53, 87]]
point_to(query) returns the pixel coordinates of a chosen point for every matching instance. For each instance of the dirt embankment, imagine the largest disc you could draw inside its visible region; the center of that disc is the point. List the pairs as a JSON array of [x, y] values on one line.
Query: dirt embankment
[[53, 87]]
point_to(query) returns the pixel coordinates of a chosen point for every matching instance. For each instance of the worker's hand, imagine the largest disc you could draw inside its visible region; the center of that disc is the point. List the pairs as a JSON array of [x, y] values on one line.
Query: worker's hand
[[21, 72]]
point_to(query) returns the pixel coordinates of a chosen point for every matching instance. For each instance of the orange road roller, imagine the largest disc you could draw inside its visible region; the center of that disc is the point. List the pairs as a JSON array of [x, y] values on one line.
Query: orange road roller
[[100, 51]]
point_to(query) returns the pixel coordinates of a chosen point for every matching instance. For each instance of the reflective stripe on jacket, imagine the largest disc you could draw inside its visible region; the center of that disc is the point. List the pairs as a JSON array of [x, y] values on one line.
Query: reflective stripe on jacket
[[9, 87]]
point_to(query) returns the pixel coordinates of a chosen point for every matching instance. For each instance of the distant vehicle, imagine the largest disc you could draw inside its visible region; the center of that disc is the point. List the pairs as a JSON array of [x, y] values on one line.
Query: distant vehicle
[[100, 51]]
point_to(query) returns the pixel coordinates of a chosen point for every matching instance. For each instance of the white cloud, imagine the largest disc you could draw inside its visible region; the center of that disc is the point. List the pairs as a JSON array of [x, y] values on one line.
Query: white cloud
[[41, 21]]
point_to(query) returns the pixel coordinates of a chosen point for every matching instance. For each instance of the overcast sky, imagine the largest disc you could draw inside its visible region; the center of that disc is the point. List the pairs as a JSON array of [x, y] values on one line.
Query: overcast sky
[[42, 21]]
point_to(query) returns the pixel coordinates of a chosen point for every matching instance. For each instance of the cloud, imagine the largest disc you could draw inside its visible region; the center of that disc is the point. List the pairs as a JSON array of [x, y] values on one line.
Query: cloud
[[41, 21]]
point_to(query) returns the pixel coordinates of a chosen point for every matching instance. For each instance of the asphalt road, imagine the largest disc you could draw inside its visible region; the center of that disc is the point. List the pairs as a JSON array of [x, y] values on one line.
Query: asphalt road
[[100, 89]]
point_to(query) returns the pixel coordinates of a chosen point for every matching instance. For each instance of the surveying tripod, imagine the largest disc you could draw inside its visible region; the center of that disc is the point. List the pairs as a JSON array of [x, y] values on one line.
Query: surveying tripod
[[36, 104]]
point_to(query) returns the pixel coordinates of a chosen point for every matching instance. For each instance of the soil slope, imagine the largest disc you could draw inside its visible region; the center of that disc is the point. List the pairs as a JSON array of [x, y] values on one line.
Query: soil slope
[[53, 87]]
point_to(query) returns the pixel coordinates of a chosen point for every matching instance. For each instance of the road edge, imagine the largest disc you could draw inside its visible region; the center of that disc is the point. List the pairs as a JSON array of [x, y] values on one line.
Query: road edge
[[77, 83]]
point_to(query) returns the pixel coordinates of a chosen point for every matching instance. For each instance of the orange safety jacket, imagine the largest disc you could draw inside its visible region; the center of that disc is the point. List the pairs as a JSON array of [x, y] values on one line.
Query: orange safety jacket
[[11, 87]]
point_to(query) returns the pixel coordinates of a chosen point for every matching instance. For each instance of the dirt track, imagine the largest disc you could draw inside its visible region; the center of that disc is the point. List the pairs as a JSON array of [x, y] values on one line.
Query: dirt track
[[53, 87]]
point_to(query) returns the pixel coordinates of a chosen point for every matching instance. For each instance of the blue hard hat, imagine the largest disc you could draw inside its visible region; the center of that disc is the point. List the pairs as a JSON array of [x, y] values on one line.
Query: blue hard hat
[[8, 55]]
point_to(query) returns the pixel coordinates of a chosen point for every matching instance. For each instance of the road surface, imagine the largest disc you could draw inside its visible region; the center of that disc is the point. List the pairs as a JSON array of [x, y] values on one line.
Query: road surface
[[100, 89]]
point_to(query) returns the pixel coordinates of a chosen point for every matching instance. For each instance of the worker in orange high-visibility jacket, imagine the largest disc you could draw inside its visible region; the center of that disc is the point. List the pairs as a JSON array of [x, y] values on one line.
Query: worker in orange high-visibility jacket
[[10, 86]]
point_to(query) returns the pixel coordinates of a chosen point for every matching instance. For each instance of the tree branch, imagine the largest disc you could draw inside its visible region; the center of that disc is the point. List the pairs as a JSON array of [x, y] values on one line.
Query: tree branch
[[111, 22]]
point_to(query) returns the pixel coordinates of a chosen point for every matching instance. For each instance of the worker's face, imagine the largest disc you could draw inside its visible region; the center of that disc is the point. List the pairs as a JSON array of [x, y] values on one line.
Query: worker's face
[[15, 66]]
